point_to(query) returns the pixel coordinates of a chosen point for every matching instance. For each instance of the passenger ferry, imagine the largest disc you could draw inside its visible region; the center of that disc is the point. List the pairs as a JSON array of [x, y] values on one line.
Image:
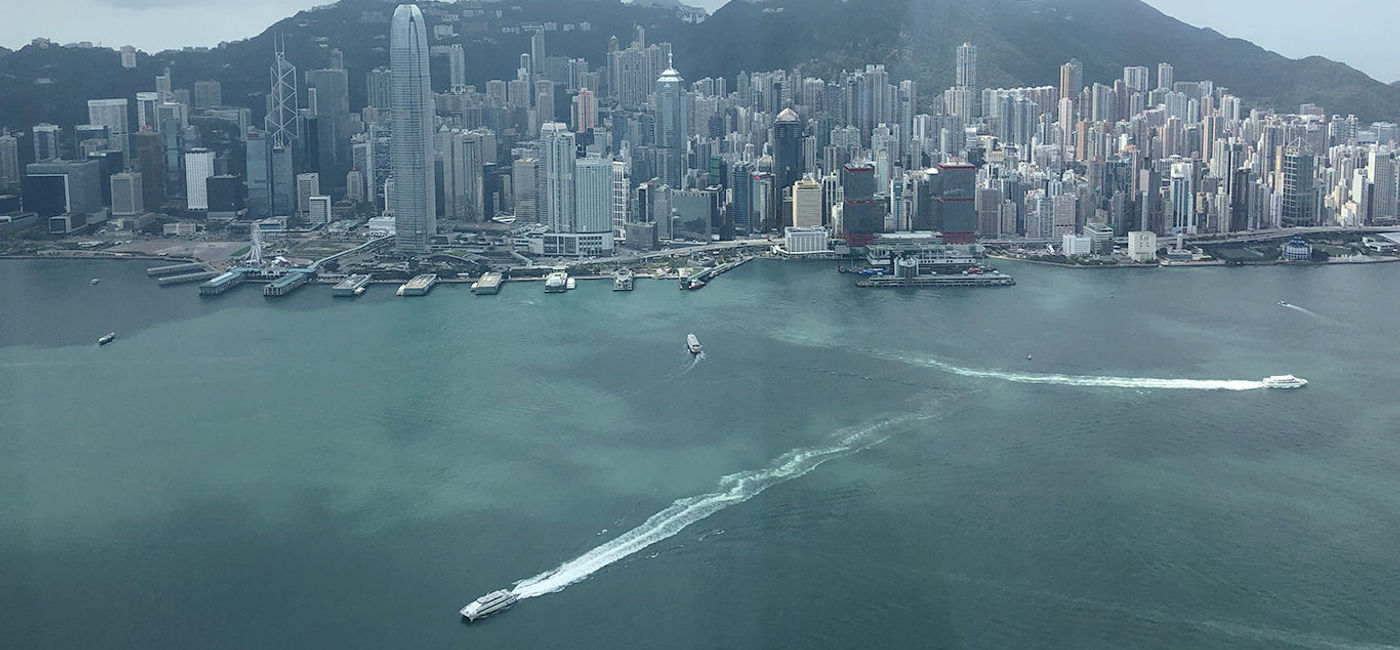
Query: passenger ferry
[[1285, 381], [622, 280], [496, 601]]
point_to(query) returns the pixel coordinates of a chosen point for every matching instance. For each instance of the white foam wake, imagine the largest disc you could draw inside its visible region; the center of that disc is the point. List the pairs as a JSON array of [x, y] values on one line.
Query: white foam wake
[[732, 489], [1078, 380]]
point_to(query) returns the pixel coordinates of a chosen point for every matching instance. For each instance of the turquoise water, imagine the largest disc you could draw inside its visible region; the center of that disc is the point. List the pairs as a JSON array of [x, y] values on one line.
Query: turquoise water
[[237, 472]]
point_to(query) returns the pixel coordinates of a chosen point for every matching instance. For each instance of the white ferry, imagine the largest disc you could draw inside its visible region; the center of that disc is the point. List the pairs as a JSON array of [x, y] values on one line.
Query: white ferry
[[1285, 381], [496, 601]]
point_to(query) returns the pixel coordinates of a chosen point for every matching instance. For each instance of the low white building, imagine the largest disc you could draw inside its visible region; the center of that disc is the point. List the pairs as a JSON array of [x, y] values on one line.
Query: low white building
[[1076, 244], [570, 244], [1142, 246], [380, 226], [806, 240]]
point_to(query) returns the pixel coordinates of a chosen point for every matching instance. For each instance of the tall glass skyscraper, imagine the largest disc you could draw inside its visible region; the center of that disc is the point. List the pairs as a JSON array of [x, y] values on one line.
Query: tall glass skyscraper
[[415, 205], [671, 127]]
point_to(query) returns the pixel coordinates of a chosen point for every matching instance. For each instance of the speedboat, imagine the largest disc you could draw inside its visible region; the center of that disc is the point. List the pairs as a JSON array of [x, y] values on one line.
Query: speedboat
[[96, 281], [107, 338], [1283, 303], [692, 344], [1285, 381], [498, 600]]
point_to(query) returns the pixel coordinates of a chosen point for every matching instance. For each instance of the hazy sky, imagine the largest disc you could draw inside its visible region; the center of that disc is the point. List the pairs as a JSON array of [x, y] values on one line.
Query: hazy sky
[[1357, 32]]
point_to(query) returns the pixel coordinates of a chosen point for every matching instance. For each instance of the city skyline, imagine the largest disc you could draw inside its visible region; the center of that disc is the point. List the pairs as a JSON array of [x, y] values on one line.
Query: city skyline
[[156, 25]]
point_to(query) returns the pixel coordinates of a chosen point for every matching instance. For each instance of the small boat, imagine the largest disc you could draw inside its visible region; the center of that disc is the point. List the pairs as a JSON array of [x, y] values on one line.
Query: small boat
[[1284, 303], [570, 283], [496, 601], [107, 338], [692, 344], [1285, 381], [96, 281], [1028, 357]]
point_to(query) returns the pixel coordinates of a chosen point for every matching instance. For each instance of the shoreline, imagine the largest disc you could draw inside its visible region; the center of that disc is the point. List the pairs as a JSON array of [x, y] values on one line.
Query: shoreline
[[1210, 264]]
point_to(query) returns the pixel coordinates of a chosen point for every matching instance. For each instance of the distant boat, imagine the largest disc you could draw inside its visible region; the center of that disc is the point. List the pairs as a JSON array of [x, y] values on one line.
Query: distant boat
[[107, 338], [1285, 381], [1284, 303], [96, 281], [692, 344], [1028, 357]]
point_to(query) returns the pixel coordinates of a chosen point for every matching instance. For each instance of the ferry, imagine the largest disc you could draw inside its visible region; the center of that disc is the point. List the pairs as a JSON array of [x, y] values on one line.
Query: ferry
[[556, 282], [622, 279], [692, 344], [1285, 381], [496, 601], [107, 338]]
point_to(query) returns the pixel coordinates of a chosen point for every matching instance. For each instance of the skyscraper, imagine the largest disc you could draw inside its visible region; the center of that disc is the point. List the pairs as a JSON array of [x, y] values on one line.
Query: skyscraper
[[208, 94], [1071, 79], [1135, 77], [787, 148], [415, 203], [1381, 175], [126, 194], [457, 67], [46, 142], [281, 121], [111, 113], [593, 195], [859, 219], [1299, 186], [806, 203], [1165, 77], [967, 66], [9, 161], [557, 152], [332, 125], [378, 88], [199, 166], [671, 127]]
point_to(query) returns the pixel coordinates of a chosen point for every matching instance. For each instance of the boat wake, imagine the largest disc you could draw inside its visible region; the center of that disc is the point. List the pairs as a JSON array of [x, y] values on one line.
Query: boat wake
[[1076, 380], [927, 361], [1308, 312], [732, 489]]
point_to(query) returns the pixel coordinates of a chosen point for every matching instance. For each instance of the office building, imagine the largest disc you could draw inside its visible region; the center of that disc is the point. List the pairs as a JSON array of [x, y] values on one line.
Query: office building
[[9, 161], [788, 135], [318, 210], [199, 165], [557, 161], [126, 194], [111, 113], [671, 128], [308, 185], [415, 201], [46, 139], [806, 203]]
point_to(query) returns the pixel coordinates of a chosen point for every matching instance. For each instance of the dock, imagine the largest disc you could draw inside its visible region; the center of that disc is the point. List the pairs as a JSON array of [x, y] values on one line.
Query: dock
[[174, 269], [420, 285], [699, 279], [289, 282], [488, 285], [352, 286], [224, 282], [185, 278], [921, 281]]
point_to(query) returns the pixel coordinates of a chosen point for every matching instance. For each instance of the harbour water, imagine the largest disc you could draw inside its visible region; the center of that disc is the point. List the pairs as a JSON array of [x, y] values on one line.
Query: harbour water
[[840, 468]]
